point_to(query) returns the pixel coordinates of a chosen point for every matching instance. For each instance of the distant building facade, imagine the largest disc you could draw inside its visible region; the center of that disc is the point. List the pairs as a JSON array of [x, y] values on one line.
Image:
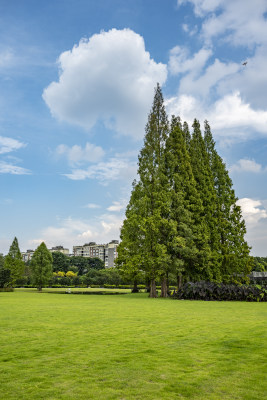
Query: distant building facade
[[27, 255], [61, 249], [106, 252]]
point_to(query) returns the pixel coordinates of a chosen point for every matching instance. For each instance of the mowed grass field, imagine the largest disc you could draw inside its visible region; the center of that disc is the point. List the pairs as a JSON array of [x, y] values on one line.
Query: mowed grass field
[[57, 346]]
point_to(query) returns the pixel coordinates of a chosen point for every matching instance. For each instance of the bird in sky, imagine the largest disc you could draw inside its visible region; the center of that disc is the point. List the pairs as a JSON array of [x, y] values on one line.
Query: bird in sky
[[245, 63]]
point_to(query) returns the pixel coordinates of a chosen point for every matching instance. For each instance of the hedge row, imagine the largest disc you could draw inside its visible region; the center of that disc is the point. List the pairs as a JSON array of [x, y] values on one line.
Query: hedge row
[[220, 292]]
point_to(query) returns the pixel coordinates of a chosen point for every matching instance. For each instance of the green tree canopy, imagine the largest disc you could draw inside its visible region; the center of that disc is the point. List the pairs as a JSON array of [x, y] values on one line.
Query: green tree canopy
[[41, 266], [13, 262], [189, 247], [2, 261], [232, 248], [182, 216], [144, 227], [4, 273], [84, 264], [61, 262]]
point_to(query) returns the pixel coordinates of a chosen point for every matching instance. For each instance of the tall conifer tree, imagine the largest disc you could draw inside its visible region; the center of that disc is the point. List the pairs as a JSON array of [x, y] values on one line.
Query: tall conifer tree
[[189, 250], [233, 249], [149, 199], [41, 266], [13, 262], [203, 176]]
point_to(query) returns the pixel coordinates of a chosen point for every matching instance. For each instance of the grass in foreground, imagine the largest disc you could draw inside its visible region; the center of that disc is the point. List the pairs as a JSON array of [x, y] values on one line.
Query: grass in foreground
[[130, 347]]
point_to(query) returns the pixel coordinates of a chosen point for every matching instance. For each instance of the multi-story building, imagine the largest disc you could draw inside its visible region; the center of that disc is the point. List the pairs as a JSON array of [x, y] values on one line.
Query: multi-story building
[[27, 255], [61, 249], [111, 253], [91, 250], [106, 252]]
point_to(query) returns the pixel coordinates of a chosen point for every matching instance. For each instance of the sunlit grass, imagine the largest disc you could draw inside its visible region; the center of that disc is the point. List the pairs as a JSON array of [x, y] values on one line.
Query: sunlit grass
[[130, 347]]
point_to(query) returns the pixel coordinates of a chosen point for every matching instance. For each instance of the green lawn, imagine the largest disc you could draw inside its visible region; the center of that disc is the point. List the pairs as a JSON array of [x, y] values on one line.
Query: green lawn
[[130, 347]]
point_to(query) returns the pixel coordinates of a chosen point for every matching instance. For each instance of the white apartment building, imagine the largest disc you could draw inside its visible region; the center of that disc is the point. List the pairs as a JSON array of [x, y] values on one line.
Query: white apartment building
[[111, 253], [106, 252], [61, 249], [27, 255]]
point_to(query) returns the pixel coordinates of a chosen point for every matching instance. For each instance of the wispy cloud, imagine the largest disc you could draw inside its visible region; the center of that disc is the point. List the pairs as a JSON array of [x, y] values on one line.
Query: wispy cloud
[[6, 57], [246, 165], [92, 206], [6, 168], [8, 145], [180, 61], [232, 97], [106, 172], [117, 206], [76, 155], [70, 231]]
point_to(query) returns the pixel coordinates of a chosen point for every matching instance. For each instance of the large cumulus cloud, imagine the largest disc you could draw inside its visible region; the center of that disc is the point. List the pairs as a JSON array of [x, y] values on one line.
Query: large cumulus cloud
[[109, 77]]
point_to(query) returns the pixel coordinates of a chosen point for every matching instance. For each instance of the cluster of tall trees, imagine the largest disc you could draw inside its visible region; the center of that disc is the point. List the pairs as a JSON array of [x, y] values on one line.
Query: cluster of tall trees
[[12, 266], [182, 217]]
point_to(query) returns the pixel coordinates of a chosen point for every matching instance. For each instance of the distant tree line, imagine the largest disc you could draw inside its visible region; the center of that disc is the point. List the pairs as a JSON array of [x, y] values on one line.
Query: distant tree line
[[53, 269], [259, 264], [182, 219], [57, 269]]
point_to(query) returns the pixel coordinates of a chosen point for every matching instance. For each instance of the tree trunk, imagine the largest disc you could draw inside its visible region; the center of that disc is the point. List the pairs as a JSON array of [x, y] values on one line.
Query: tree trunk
[[153, 289], [168, 284], [164, 289], [179, 281], [135, 288], [39, 288]]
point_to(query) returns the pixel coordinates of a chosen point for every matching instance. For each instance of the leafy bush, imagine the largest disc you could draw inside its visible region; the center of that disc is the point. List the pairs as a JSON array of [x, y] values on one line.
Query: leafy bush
[[220, 291]]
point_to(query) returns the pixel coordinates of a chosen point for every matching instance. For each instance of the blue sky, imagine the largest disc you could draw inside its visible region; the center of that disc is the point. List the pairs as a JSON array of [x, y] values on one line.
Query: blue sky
[[77, 82]]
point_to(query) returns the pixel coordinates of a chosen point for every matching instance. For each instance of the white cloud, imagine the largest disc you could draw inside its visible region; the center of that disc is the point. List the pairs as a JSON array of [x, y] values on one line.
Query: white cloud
[[109, 77], [70, 232], [245, 165], [202, 85], [231, 111], [180, 62], [105, 172], [255, 215], [117, 206], [92, 206], [242, 22], [77, 155], [6, 168], [250, 81], [202, 7], [231, 96], [229, 117], [8, 145], [252, 210]]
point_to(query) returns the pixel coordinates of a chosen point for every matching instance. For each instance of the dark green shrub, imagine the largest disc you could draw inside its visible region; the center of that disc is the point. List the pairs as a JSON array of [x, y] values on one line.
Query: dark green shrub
[[220, 292], [4, 277]]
